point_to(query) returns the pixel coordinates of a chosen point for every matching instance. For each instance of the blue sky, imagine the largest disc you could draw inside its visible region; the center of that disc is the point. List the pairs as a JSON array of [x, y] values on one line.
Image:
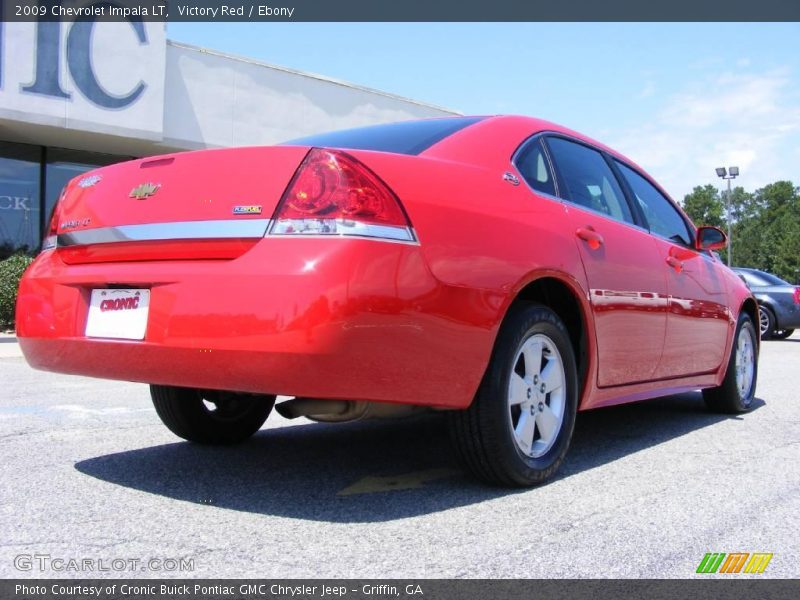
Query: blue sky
[[679, 99]]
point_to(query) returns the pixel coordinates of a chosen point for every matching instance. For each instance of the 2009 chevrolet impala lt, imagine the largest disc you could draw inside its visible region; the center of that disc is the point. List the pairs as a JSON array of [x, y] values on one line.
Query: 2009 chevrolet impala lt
[[503, 269]]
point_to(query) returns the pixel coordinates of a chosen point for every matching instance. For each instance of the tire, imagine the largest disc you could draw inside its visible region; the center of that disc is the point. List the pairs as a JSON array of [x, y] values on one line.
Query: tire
[[209, 416], [738, 388], [783, 334], [490, 436], [766, 320]]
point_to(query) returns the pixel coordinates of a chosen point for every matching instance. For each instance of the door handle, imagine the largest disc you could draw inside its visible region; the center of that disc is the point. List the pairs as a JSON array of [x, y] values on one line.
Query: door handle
[[590, 236], [675, 263]]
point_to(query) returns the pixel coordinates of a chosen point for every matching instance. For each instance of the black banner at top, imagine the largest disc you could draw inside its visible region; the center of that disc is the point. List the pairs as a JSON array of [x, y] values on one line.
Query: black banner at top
[[403, 10]]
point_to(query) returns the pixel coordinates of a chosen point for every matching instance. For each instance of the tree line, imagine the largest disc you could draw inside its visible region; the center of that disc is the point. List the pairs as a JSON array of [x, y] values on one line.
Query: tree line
[[765, 225]]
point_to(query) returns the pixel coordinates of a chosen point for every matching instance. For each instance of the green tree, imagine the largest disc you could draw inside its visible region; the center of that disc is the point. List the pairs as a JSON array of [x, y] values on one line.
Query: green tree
[[767, 230], [704, 206]]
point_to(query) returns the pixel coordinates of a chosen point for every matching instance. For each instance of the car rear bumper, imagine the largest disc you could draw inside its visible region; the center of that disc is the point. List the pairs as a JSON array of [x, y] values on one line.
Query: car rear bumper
[[788, 316], [320, 318]]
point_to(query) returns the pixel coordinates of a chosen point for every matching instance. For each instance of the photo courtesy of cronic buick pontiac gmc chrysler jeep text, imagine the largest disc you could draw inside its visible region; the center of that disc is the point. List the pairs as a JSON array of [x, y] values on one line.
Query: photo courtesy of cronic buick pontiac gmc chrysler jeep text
[[505, 270]]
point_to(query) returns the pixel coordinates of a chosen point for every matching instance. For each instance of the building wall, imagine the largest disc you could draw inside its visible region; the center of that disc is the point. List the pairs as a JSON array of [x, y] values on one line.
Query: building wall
[[217, 100]]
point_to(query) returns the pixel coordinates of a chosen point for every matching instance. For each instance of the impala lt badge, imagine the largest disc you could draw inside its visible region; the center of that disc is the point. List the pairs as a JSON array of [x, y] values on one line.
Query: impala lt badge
[[247, 210], [75, 223], [144, 190]]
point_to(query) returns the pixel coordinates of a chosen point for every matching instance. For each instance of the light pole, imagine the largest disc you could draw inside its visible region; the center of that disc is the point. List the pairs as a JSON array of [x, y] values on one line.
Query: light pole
[[730, 173]]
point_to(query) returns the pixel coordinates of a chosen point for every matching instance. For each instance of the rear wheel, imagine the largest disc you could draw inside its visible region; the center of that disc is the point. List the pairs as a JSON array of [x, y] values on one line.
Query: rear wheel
[[519, 426], [783, 334], [210, 416], [766, 319], [738, 389]]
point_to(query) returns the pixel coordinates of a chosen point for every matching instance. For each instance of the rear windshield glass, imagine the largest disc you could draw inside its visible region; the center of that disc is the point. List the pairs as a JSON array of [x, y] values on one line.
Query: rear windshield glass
[[760, 278], [406, 137]]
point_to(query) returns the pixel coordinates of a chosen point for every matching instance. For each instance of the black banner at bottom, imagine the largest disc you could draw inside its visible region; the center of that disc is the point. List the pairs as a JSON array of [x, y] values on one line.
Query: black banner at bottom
[[751, 588]]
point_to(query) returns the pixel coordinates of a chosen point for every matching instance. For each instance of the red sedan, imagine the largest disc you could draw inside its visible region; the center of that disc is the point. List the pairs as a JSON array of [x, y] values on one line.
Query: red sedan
[[505, 270]]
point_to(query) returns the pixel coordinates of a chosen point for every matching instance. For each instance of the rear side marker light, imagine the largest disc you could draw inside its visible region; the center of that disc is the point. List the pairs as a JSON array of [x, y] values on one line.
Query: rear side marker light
[[797, 295], [332, 193]]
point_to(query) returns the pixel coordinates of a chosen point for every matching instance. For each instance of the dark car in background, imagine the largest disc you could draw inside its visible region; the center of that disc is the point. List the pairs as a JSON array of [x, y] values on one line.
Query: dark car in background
[[778, 301]]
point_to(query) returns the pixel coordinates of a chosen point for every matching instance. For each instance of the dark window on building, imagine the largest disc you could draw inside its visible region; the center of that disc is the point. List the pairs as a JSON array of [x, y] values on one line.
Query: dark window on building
[[534, 168], [28, 190], [405, 137], [19, 197], [588, 180], [661, 216]]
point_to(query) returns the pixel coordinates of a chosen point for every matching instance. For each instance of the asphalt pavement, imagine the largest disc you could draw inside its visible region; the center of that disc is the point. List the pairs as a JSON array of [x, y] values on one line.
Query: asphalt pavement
[[92, 478]]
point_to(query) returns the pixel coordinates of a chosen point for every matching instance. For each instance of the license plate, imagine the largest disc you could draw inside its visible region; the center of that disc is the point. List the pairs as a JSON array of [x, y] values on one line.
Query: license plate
[[118, 314]]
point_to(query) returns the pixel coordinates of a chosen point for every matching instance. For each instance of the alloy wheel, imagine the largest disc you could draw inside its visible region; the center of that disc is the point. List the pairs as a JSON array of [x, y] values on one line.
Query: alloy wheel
[[537, 395], [763, 322], [745, 362]]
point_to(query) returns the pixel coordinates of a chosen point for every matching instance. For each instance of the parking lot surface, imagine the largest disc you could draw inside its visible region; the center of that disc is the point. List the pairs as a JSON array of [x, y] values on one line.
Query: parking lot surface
[[90, 473]]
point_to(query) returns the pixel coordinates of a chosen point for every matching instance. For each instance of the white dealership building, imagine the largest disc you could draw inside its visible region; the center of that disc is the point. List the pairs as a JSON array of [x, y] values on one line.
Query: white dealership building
[[76, 95]]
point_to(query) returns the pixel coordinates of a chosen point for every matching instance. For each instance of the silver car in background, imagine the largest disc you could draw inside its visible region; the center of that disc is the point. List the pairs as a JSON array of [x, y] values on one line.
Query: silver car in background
[[778, 302]]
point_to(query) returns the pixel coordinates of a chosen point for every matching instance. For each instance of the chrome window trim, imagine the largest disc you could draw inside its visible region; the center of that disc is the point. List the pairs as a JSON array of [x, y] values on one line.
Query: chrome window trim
[[179, 230], [566, 203], [595, 213]]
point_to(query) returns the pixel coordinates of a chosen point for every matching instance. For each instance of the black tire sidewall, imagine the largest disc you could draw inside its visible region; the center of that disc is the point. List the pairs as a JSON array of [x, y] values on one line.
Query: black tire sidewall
[[183, 412], [745, 403], [770, 318], [525, 323]]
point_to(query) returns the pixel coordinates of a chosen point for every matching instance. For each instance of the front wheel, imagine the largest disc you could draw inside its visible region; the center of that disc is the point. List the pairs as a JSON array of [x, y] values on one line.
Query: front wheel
[[210, 416], [518, 428], [738, 388]]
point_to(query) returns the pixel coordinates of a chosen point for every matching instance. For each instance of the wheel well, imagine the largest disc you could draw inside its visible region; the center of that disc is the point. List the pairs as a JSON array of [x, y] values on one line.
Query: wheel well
[[559, 298], [751, 308], [766, 305]]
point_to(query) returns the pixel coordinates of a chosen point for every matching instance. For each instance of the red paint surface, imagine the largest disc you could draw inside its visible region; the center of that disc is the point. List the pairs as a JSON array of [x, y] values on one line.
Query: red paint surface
[[374, 320]]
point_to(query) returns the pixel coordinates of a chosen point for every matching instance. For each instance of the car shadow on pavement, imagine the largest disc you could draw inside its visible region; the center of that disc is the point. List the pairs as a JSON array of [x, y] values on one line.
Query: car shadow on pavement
[[387, 469]]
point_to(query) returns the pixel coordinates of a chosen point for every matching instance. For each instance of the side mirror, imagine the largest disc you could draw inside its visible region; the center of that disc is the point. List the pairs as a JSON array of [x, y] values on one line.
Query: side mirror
[[710, 238]]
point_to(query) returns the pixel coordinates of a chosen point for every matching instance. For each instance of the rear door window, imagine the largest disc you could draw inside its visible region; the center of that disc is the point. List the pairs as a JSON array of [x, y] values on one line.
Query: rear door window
[[586, 179]]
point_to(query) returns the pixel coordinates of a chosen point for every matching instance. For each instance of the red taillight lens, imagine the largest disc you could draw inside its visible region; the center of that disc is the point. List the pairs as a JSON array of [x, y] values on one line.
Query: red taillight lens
[[333, 193], [51, 235], [797, 295]]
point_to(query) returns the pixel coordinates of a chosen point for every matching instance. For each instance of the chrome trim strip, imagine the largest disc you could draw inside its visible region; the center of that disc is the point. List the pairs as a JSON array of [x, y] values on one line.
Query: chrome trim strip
[[341, 228], [181, 230]]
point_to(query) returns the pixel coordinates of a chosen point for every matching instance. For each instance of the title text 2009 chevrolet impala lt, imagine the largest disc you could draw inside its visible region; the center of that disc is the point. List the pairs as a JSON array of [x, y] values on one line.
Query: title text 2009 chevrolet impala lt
[[503, 269]]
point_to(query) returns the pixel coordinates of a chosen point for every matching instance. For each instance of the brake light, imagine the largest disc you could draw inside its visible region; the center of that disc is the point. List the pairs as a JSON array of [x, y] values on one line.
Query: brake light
[[51, 235], [332, 193], [797, 295]]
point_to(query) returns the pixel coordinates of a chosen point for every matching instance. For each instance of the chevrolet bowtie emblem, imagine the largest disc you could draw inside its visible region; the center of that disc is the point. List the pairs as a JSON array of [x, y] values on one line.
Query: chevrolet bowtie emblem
[[144, 190]]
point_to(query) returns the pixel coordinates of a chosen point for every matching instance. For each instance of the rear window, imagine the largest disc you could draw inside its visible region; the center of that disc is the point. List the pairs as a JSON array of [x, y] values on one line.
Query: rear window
[[405, 137], [761, 279]]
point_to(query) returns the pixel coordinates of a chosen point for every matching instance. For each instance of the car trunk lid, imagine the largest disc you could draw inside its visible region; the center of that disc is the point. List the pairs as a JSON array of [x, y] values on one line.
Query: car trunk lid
[[210, 204]]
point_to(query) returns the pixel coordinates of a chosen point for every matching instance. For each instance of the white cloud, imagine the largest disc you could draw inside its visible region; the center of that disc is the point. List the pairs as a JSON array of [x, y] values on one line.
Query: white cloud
[[748, 120], [648, 90]]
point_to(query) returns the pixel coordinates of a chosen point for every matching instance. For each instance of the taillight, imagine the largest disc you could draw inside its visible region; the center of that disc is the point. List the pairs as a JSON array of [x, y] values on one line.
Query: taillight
[[51, 235], [332, 193], [797, 295]]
